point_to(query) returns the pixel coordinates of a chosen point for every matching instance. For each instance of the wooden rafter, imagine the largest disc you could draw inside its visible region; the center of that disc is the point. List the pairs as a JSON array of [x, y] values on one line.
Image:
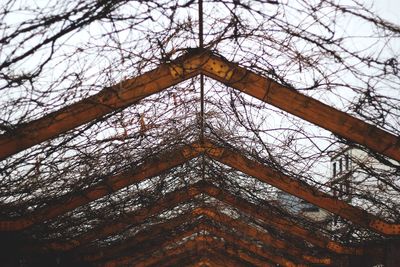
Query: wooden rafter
[[302, 106], [108, 100], [213, 260], [301, 189], [254, 248], [155, 243], [151, 167], [213, 256], [280, 223], [226, 156], [174, 198], [207, 258], [150, 255], [264, 237], [213, 215], [137, 217], [130, 91], [153, 232]]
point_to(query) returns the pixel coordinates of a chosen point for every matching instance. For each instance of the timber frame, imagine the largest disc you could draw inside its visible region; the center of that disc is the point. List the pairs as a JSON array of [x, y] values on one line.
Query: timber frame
[[259, 247], [132, 90]]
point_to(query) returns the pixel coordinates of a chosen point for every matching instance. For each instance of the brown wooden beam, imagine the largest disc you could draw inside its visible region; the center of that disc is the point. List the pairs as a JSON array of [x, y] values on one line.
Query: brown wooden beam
[[157, 230], [302, 190], [188, 249], [152, 233], [212, 257], [278, 222], [265, 237], [225, 71], [150, 168], [305, 107], [242, 253], [174, 198], [235, 244], [235, 160], [185, 259], [206, 258], [215, 261], [204, 262], [200, 242], [155, 247], [132, 90], [256, 249], [209, 262], [110, 99], [169, 201]]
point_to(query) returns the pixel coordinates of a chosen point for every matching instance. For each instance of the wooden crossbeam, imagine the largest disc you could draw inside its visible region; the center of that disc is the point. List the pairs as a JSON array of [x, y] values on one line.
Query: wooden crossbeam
[[210, 261], [150, 256], [174, 198], [108, 100], [302, 106], [301, 189], [256, 249], [280, 223], [265, 237], [210, 257], [130, 91], [153, 232], [137, 217], [206, 258], [226, 156], [263, 88], [214, 261], [154, 244], [213, 215], [150, 168]]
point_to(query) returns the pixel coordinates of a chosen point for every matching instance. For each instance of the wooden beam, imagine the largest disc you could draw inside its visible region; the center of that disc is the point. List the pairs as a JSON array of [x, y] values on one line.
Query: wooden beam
[[302, 190], [280, 223], [184, 259], [265, 237], [212, 214], [272, 177], [154, 248], [150, 168], [152, 233], [230, 242], [108, 100], [169, 201], [256, 249], [305, 107], [174, 198], [215, 258], [201, 242], [132, 90]]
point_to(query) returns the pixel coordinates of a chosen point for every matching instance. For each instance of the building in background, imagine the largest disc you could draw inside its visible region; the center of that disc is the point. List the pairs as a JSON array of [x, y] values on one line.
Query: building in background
[[349, 171], [354, 171], [301, 207]]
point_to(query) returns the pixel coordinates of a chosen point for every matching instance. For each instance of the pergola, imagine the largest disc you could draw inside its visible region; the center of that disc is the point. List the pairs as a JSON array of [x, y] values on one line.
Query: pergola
[[183, 199]]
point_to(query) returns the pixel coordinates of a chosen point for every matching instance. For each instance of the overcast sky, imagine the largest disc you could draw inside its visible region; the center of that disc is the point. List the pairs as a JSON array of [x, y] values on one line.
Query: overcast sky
[[388, 9]]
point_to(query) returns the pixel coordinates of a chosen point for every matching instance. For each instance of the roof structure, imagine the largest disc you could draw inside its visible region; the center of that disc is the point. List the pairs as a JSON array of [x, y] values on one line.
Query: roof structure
[[181, 161]]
